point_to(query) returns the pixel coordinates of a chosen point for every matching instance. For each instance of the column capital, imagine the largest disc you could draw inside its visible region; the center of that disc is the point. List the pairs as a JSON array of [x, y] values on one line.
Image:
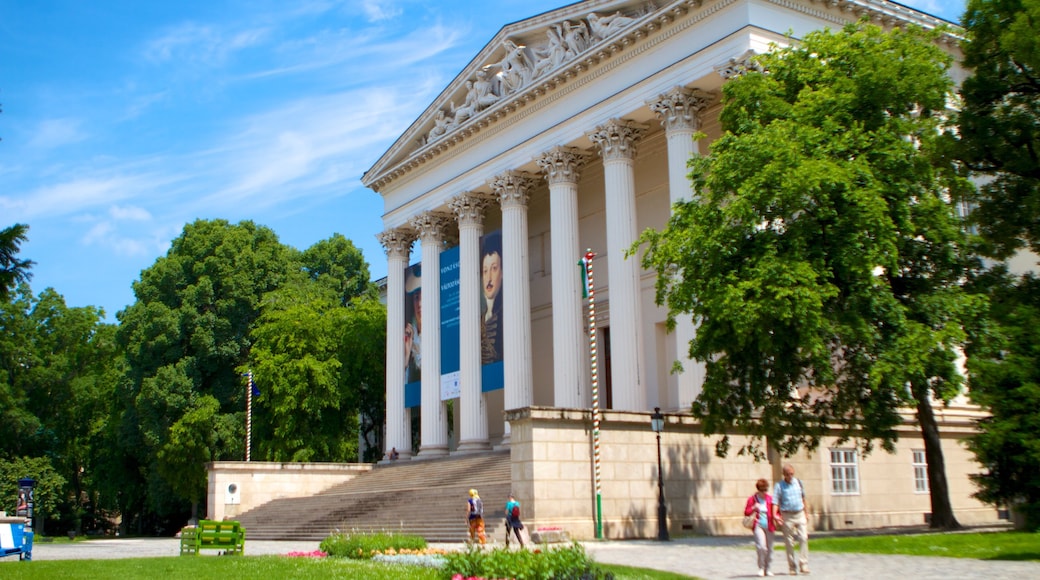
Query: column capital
[[617, 138], [397, 242], [512, 188], [680, 108], [562, 164], [469, 207], [738, 65], [431, 226]]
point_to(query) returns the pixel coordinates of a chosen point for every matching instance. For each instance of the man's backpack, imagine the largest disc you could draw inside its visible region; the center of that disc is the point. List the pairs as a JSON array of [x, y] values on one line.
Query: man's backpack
[[477, 507], [515, 512]]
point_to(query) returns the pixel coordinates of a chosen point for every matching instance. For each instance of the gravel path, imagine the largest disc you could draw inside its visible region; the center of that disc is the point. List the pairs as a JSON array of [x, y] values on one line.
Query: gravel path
[[708, 558]]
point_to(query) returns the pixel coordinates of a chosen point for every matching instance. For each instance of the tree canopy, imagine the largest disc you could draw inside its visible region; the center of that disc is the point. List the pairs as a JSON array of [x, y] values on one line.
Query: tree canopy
[[225, 300], [999, 140], [1000, 122], [12, 269], [822, 257]]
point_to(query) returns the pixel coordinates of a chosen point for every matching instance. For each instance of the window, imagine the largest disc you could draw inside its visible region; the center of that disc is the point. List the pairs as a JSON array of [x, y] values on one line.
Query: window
[[844, 472], [920, 472]]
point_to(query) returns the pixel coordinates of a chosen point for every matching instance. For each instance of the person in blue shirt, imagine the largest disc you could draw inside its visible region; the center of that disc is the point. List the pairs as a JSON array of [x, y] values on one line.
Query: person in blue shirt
[[789, 502], [513, 523]]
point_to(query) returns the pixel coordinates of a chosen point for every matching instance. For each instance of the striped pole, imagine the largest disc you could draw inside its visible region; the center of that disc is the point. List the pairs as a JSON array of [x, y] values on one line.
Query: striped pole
[[591, 294], [249, 412]]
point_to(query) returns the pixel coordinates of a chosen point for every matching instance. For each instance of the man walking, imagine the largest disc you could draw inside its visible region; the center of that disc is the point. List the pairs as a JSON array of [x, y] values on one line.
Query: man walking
[[789, 502]]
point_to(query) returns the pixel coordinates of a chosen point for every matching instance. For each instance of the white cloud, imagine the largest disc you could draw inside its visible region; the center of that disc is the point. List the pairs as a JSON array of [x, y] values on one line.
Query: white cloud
[[310, 147], [377, 10], [130, 213], [67, 198], [122, 243], [196, 44], [51, 133]]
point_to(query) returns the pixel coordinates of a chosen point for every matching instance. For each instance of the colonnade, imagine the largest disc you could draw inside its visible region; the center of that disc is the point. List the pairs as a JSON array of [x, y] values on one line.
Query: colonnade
[[616, 142]]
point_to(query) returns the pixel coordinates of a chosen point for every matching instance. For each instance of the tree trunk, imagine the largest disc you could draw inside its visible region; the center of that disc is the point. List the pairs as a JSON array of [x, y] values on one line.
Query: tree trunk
[[942, 511]]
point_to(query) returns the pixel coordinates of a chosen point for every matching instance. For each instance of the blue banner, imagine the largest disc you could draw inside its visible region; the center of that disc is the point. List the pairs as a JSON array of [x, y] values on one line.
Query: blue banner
[[450, 301]]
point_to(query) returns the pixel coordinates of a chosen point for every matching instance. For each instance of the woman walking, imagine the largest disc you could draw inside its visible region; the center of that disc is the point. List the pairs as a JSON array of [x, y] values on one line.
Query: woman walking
[[760, 505], [475, 517]]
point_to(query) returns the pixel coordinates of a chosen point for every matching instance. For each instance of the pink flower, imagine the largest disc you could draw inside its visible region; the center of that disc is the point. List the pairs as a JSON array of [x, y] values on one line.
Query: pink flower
[[314, 554]]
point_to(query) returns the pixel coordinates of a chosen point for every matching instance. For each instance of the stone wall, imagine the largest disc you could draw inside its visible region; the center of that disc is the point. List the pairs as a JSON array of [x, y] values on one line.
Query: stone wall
[[553, 476], [257, 482]]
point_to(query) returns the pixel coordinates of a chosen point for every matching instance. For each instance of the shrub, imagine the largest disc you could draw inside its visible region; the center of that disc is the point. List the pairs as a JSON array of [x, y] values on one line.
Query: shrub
[[562, 563], [363, 546]]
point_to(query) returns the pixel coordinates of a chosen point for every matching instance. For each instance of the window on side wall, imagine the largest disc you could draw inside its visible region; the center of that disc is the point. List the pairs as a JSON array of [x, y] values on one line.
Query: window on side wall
[[844, 472], [920, 472]]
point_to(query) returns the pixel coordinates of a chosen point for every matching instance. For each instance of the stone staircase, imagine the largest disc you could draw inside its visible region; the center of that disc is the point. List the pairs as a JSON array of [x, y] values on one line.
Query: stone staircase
[[421, 497]]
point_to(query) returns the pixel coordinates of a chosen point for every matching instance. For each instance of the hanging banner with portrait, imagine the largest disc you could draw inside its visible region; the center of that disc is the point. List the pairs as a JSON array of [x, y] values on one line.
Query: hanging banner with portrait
[[492, 370], [412, 335]]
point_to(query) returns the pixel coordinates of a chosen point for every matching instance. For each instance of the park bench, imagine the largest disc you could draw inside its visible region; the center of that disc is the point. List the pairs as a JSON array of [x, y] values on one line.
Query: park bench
[[229, 537], [15, 539]]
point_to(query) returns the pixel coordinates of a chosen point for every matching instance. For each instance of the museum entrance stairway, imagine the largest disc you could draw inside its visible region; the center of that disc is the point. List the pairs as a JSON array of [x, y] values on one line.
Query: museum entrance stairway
[[421, 497]]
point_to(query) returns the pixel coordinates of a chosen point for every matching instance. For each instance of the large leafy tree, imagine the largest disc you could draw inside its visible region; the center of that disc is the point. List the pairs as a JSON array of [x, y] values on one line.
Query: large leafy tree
[[1004, 364], [313, 354], [12, 269], [822, 258], [59, 370], [1000, 140], [1000, 121], [185, 338]]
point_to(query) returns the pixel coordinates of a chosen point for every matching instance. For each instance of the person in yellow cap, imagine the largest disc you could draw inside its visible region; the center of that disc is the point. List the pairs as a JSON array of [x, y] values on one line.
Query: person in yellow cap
[[475, 517]]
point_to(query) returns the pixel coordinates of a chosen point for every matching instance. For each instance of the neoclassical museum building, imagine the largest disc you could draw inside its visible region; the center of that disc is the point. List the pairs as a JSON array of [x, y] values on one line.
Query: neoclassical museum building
[[570, 132]]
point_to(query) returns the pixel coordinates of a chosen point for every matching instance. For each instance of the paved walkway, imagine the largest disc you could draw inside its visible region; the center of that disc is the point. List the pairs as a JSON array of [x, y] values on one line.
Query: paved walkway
[[709, 558]]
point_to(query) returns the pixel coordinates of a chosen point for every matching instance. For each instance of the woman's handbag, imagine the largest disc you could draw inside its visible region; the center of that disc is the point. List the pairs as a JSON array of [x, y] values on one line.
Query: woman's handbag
[[748, 521]]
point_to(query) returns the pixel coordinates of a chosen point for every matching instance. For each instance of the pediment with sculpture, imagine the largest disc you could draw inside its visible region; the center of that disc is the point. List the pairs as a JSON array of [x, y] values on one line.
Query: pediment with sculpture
[[519, 65]]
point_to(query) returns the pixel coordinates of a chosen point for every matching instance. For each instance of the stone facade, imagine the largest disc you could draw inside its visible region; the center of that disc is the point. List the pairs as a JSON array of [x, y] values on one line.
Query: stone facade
[[571, 131], [553, 471], [258, 482]]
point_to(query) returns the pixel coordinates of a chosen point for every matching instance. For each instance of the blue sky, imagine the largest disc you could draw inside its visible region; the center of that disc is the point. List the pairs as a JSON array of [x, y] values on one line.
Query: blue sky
[[125, 119]]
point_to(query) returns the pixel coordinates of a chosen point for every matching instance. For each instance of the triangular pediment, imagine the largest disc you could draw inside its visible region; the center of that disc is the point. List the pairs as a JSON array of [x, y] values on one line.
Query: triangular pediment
[[531, 58], [523, 57]]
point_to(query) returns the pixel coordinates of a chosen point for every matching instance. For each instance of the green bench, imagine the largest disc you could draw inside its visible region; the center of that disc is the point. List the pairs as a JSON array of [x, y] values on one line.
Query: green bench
[[230, 537]]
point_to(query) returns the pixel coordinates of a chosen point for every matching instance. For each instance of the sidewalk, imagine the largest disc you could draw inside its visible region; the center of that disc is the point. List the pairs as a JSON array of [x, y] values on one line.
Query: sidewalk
[[711, 558]]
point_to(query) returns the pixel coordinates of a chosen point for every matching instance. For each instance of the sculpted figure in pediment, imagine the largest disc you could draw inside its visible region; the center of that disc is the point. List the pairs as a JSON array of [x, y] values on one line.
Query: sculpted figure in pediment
[[516, 69], [468, 108], [484, 92], [441, 125], [605, 26], [575, 38], [553, 54]]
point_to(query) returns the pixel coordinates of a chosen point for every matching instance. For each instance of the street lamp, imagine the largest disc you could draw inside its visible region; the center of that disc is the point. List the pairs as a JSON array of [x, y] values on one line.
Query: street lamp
[[657, 425]]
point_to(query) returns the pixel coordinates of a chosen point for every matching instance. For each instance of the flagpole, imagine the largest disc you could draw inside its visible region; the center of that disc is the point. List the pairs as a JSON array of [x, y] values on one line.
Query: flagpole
[[589, 291], [249, 412]]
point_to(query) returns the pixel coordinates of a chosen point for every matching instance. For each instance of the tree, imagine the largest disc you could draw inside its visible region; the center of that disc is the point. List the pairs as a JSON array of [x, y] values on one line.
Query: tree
[[999, 125], [339, 265], [13, 270], [823, 260], [1004, 365], [186, 336], [318, 358], [296, 368], [58, 371]]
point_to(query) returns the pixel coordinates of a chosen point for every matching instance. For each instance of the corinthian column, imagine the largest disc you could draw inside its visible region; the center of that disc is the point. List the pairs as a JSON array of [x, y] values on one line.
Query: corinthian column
[[398, 245], [560, 166], [434, 424], [512, 190], [679, 111], [473, 428], [616, 140]]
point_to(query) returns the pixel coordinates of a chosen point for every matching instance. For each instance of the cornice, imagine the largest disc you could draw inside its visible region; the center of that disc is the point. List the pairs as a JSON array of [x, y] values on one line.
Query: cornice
[[644, 33]]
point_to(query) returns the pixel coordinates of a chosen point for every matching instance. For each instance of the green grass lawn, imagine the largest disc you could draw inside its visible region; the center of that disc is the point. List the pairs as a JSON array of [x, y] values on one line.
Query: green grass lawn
[[980, 546], [247, 568]]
